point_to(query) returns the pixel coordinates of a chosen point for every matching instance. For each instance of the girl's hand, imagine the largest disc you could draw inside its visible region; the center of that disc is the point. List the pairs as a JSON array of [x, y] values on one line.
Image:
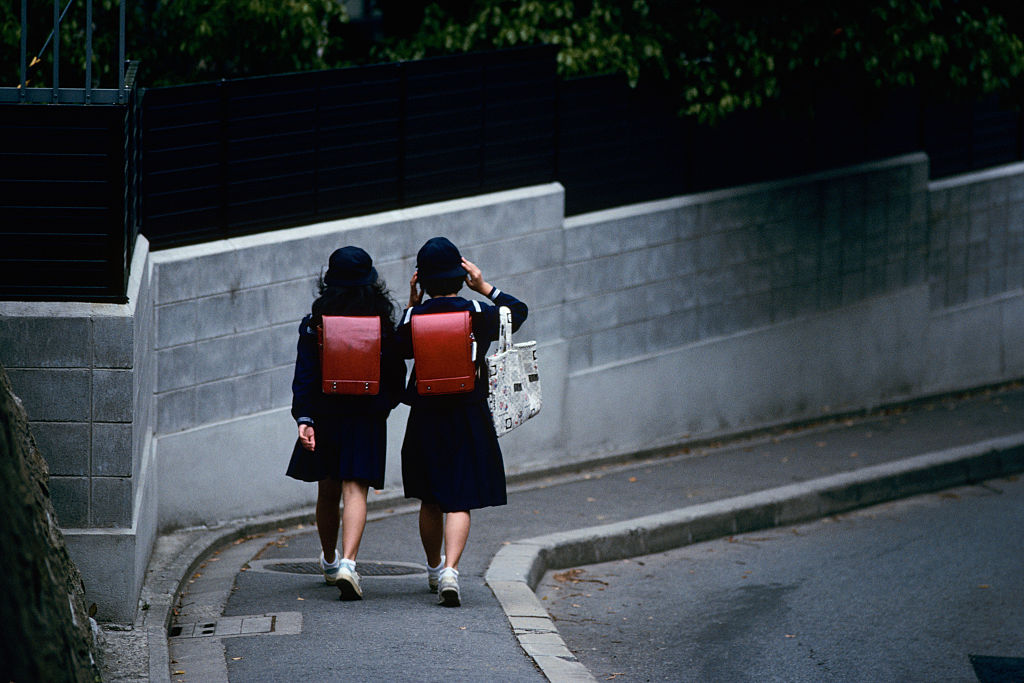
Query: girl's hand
[[415, 293], [475, 279], [306, 437]]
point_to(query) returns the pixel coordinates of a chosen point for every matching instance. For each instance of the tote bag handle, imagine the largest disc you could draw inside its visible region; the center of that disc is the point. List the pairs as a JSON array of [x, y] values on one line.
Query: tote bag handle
[[504, 329]]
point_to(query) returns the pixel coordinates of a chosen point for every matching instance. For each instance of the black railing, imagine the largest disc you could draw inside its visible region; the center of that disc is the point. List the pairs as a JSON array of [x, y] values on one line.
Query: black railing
[[68, 201], [241, 156], [207, 161]]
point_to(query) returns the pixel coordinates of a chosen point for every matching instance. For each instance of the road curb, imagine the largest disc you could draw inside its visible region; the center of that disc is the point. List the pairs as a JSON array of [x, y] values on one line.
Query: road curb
[[517, 568]]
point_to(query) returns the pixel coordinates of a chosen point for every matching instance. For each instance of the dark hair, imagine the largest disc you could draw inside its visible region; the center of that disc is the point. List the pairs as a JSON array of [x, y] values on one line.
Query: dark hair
[[371, 299], [443, 286]]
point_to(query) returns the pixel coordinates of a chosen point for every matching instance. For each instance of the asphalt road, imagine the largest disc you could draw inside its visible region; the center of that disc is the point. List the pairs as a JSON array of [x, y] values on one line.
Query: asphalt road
[[905, 591]]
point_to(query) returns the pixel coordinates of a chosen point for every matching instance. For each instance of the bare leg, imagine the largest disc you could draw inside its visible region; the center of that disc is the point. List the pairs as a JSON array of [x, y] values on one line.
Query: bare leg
[[353, 517], [328, 516], [431, 532], [456, 534]]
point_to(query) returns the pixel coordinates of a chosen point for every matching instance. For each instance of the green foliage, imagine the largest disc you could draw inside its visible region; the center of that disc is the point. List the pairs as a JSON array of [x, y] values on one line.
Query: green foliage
[[715, 56], [176, 41], [722, 56], [195, 40], [747, 60], [601, 36]]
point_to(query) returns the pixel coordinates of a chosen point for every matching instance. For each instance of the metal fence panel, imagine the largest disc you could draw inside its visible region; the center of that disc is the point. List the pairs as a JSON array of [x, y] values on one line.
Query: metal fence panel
[[251, 154], [62, 202]]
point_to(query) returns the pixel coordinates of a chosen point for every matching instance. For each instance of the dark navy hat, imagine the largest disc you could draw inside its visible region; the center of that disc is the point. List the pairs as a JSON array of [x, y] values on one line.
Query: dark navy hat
[[439, 259], [350, 267]]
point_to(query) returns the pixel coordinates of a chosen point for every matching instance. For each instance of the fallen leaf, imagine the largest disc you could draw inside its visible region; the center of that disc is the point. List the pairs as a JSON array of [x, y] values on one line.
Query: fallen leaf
[[790, 636], [984, 586], [632, 480], [179, 673], [300, 598], [591, 500], [235, 659], [573, 576], [821, 444], [462, 628], [854, 454]]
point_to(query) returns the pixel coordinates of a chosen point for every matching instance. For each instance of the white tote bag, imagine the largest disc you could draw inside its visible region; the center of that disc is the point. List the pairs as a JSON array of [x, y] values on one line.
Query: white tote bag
[[513, 391]]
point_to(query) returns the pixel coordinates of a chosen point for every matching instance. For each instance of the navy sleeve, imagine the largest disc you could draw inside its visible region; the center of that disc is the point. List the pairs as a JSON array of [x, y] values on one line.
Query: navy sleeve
[[488, 328], [307, 373]]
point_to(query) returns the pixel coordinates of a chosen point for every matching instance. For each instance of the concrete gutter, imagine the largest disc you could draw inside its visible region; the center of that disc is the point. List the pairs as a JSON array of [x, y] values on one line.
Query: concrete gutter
[[517, 568]]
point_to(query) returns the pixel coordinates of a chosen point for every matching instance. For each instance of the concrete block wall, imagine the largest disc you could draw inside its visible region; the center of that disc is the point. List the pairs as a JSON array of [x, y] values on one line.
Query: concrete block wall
[[651, 277], [227, 317], [976, 277], [85, 373], [977, 236], [660, 322], [790, 300]]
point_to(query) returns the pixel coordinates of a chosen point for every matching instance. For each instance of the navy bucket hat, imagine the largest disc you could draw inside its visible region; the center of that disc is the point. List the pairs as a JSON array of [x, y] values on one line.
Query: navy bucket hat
[[350, 267], [439, 259]]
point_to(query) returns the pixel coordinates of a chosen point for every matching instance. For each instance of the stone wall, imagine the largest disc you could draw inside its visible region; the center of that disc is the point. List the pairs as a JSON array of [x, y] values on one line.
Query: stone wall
[[688, 318], [45, 630], [85, 375]]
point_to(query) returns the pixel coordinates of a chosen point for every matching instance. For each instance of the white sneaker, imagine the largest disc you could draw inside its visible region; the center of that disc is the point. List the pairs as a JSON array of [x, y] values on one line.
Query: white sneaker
[[448, 588], [330, 570], [348, 581], [433, 574]]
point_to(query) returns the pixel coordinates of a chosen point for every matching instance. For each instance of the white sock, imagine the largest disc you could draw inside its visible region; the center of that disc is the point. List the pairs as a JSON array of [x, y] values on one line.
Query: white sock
[[434, 571], [331, 565]]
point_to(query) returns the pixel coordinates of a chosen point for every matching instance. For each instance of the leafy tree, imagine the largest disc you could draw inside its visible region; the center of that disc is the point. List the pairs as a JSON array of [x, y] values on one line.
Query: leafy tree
[[195, 40], [714, 56], [176, 41], [743, 60], [600, 36], [722, 56]]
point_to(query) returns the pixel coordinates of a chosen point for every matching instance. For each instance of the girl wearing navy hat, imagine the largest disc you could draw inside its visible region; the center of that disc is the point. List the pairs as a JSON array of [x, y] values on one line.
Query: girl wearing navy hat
[[342, 440], [451, 460]]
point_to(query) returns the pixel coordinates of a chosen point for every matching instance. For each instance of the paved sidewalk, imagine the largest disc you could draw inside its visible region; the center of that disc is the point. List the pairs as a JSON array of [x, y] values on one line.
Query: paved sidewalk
[[253, 608]]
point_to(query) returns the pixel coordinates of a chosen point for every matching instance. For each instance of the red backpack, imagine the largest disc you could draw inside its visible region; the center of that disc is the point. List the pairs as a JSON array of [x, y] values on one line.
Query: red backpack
[[350, 354], [444, 351]]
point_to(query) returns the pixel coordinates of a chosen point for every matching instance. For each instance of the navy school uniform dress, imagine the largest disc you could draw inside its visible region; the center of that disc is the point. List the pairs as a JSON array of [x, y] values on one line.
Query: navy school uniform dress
[[350, 431], [450, 455]]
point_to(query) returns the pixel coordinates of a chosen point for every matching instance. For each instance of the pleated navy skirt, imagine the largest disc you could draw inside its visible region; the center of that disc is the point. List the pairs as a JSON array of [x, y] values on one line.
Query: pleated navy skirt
[[450, 455], [348, 447]]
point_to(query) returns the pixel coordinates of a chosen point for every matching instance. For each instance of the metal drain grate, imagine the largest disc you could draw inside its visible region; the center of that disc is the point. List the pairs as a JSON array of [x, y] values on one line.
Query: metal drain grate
[[312, 567]]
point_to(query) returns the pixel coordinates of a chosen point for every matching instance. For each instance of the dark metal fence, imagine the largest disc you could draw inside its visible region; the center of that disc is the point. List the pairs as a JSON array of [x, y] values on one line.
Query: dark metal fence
[[207, 161], [68, 201], [241, 156]]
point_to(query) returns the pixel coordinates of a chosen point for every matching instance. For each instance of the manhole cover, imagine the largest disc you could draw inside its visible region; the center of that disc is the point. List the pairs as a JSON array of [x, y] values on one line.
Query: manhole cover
[[312, 567]]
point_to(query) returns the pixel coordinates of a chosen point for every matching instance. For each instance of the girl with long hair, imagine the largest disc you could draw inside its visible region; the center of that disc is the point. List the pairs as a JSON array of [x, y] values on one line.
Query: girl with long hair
[[342, 441]]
